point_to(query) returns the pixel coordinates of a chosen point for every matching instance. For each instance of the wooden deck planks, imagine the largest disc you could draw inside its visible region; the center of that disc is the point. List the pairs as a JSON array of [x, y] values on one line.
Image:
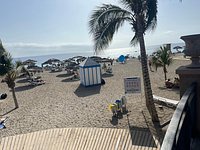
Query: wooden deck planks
[[82, 139], [97, 140], [94, 137], [120, 139], [66, 138]]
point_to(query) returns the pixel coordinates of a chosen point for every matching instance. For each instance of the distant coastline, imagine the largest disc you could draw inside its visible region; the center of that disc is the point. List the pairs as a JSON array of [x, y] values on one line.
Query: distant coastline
[[111, 53]]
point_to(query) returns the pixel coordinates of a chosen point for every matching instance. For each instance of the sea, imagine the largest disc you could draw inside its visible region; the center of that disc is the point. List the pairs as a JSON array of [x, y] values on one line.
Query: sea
[[109, 53]]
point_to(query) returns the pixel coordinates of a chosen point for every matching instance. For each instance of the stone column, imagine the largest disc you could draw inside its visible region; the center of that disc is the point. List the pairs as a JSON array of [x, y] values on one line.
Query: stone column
[[191, 73]]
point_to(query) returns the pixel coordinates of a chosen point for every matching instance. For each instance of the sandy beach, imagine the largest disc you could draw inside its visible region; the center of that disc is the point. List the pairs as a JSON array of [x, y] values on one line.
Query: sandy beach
[[62, 103]]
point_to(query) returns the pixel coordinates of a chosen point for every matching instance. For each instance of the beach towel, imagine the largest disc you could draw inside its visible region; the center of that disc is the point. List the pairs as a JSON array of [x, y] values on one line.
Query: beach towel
[[2, 122], [2, 126]]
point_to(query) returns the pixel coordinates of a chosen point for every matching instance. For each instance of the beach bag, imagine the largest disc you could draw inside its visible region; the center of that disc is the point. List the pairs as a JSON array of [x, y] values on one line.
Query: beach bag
[[113, 107]]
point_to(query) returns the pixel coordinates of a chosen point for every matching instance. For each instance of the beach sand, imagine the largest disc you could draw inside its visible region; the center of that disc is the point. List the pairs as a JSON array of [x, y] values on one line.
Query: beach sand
[[62, 103]]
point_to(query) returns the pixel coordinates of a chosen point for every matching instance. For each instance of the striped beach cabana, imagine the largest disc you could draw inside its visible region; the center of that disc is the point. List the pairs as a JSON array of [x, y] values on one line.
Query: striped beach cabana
[[90, 72]]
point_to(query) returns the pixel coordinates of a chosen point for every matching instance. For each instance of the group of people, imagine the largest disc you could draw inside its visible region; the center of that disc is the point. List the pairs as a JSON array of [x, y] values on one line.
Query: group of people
[[174, 84]]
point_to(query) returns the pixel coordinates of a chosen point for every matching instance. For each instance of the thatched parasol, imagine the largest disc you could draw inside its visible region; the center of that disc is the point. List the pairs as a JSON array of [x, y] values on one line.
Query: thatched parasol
[[50, 61], [177, 48], [29, 62]]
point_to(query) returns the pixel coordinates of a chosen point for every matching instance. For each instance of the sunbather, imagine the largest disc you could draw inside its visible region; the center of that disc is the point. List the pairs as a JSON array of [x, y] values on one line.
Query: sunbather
[[176, 82], [168, 83], [75, 76], [37, 82]]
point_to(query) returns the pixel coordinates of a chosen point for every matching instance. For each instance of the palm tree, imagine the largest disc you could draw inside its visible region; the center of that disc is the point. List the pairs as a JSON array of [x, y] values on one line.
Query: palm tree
[[142, 16], [21, 69], [10, 80], [162, 58], [8, 70], [5, 65]]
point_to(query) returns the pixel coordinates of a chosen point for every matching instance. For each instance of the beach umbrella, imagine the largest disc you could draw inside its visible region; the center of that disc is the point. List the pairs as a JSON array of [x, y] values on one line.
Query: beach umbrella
[[50, 61], [29, 62], [66, 60], [96, 58], [177, 48], [121, 58]]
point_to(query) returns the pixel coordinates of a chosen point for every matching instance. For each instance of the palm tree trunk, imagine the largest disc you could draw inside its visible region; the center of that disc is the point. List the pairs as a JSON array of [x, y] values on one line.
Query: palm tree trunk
[[15, 98], [165, 72], [147, 84]]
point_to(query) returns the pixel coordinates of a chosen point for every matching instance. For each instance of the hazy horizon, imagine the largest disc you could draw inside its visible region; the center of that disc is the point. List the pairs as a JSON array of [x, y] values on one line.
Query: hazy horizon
[[113, 53]]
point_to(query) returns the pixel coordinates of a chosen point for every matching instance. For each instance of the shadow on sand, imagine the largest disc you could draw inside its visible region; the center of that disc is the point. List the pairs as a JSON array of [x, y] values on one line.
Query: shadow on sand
[[64, 75], [114, 120], [177, 90], [24, 80], [82, 91], [24, 88], [151, 136], [106, 75], [55, 71], [142, 137], [8, 112], [69, 80]]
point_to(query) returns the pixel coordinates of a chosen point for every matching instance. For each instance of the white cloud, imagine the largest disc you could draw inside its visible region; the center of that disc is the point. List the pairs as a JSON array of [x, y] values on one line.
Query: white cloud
[[38, 45], [36, 49], [168, 32]]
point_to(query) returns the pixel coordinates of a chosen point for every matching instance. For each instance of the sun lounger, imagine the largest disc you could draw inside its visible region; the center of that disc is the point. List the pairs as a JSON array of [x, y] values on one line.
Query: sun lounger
[[166, 102], [109, 70], [37, 82]]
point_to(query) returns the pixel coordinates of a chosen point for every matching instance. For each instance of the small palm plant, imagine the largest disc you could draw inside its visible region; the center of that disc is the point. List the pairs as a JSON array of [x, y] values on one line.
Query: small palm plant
[[141, 16], [10, 80], [21, 69], [8, 70], [162, 58]]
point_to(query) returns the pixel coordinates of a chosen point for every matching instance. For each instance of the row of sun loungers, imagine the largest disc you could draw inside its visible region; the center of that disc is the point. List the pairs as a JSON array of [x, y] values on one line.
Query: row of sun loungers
[[36, 82]]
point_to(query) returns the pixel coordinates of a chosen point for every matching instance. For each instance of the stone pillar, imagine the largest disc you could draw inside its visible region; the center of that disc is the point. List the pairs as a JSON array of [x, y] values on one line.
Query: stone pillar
[[191, 73]]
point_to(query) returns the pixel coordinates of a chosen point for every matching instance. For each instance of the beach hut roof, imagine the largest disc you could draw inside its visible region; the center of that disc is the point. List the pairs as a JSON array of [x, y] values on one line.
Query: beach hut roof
[[89, 62]]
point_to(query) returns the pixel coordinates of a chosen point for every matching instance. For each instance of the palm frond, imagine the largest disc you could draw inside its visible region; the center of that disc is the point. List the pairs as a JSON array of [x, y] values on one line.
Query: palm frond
[[18, 63], [5, 63], [134, 41], [151, 15], [10, 78], [134, 28], [2, 49], [162, 57], [104, 22]]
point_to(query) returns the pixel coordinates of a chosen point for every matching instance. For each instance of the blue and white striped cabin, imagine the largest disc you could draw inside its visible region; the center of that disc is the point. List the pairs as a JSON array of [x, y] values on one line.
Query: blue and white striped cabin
[[90, 72]]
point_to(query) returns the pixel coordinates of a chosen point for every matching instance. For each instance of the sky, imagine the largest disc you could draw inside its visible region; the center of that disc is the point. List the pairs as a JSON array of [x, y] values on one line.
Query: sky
[[41, 27]]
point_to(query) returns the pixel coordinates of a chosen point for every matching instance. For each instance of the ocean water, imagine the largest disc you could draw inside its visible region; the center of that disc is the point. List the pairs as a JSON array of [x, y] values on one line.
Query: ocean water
[[109, 53]]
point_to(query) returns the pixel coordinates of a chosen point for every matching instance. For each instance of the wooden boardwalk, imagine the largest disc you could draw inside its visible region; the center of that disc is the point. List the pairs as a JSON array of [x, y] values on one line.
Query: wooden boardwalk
[[82, 139]]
